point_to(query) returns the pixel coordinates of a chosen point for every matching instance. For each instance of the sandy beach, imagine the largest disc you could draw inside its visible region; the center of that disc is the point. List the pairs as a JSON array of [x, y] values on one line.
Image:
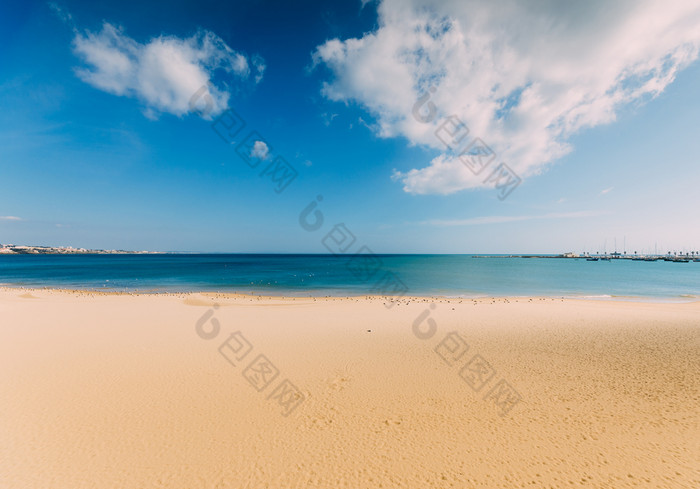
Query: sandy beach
[[228, 391]]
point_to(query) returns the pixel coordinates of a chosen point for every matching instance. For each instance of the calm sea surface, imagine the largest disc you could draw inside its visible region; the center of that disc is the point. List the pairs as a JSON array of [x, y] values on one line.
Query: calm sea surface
[[446, 275]]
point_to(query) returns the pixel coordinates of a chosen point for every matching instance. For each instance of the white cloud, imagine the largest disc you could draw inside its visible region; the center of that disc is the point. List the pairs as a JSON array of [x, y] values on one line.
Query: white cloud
[[62, 14], [163, 73], [10, 218], [363, 3], [328, 118], [524, 76], [605, 191], [260, 150], [260, 66]]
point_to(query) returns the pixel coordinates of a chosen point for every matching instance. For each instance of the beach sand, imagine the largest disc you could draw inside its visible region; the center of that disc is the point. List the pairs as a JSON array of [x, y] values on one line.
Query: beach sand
[[125, 391]]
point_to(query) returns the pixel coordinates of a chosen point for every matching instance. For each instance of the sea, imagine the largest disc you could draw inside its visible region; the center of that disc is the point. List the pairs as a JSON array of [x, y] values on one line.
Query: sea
[[469, 276]]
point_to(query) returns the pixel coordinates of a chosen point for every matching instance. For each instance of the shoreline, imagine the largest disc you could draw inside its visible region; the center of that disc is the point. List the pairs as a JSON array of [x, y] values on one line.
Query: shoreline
[[684, 299]]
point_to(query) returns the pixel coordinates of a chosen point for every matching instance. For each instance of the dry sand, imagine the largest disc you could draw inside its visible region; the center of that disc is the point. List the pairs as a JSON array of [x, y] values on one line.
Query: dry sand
[[120, 391]]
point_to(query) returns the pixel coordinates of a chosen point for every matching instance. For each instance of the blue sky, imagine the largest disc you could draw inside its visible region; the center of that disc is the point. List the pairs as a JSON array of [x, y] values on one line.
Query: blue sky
[[100, 148]]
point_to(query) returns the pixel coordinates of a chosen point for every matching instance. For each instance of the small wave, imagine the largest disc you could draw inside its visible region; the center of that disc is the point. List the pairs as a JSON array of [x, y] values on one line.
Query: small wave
[[595, 296]]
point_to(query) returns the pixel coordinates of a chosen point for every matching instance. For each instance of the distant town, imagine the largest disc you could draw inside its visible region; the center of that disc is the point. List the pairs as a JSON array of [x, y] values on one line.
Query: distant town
[[675, 256], [10, 249]]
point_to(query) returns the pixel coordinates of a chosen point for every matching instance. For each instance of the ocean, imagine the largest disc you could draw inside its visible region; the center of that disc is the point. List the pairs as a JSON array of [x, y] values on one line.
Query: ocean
[[321, 275]]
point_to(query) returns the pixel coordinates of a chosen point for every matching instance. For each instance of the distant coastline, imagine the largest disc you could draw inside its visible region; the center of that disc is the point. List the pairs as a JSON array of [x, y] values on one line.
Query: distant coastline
[[10, 249]]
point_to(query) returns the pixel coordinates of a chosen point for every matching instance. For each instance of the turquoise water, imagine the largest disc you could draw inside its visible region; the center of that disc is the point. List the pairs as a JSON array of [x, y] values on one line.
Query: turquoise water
[[445, 275]]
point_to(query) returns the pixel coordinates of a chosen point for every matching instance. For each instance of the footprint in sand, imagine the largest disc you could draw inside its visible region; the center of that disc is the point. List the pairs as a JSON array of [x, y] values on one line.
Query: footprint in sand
[[338, 383], [341, 379]]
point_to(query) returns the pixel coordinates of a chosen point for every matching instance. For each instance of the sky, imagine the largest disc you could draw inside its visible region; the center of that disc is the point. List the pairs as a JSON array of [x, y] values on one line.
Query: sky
[[411, 126]]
